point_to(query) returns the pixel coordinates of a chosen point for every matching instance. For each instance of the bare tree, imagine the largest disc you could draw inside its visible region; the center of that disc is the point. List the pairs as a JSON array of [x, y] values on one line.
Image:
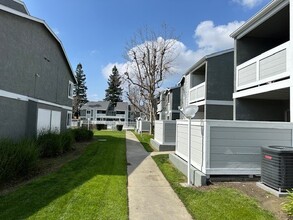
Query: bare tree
[[150, 58]]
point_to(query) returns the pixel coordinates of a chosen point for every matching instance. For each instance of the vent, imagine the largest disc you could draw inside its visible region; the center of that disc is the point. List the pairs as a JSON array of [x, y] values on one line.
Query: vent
[[277, 167]]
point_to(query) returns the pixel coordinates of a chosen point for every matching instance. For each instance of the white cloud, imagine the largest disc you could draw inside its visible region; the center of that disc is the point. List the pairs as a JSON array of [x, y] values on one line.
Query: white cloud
[[107, 70], [248, 3], [209, 38]]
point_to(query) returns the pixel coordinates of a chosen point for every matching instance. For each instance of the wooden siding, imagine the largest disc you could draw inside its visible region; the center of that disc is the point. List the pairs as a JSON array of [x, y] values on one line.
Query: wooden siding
[[247, 75], [272, 65], [238, 147]]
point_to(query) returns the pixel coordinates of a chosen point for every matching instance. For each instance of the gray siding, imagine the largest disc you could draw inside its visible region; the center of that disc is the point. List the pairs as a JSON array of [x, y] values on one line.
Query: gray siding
[[247, 75], [238, 147], [170, 132], [222, 112], [196, 143], [19, 118], [220, 75], [28, 49], [14, 5], [273, 65], [175, 99], [261, 110], [13, 115]]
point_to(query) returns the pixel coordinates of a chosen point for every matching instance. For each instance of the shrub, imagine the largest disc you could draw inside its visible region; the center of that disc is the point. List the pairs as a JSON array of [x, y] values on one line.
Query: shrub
[[49, 143], [17, 159], [66, 139], [119, 127], [288, 206], [101, 126], [82, 134]]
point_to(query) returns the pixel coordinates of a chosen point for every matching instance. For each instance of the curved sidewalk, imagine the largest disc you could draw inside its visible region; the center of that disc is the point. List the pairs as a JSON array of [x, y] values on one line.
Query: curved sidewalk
[[149, 194]]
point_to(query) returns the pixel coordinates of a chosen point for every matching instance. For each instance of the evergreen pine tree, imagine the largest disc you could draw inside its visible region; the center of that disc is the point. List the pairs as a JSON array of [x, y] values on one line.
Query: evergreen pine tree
[[114, 91], [79, 91]]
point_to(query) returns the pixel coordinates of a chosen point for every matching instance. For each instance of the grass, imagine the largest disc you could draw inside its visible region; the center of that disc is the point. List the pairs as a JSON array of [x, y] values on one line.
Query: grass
[[144, 139], [220, 203], [93, 186]]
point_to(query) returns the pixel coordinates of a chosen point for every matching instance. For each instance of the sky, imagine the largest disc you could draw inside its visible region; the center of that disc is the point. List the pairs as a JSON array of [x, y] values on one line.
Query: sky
[[95, 32]]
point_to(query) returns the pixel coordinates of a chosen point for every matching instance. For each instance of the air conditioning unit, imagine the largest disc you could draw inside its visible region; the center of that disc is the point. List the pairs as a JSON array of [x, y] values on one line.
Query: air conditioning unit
[[277, 167]]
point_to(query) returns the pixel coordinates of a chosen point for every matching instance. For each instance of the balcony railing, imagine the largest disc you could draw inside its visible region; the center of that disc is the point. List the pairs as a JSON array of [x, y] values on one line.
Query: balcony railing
[[267, 67], [197, 93]]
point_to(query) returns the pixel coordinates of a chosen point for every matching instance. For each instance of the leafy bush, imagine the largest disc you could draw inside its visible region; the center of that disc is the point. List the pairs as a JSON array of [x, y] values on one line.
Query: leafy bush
[[49, 143], [119, 127], [66, 139], [288, 206], [17, 159], [82, 134], [101, 126]]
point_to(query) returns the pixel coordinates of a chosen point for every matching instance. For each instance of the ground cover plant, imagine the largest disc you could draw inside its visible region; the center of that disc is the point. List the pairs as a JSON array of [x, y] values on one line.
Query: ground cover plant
[[90, 187], [288, 205], [220, 203], [144, 139]]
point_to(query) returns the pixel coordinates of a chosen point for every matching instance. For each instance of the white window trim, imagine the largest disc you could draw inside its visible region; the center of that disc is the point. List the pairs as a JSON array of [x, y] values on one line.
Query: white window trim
[[70, 118], [70, 93]]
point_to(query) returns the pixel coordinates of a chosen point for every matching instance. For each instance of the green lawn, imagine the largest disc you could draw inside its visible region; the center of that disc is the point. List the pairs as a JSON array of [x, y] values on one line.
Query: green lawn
[[144, 139], [220, 203], [94, 186]]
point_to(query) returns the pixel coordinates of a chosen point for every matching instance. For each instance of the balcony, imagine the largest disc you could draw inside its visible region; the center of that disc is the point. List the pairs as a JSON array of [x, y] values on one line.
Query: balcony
[[263, 69], [197, 93]]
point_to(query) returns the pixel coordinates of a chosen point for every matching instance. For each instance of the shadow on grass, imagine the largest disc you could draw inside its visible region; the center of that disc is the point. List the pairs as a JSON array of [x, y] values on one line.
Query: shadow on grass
[[105, 157]]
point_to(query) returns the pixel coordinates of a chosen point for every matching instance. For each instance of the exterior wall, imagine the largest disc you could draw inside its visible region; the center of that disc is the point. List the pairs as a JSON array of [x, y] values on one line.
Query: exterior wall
[[250, 47], [159, 131], [261, 110], [196, 142], [184, 93], [20, 118], [32, 62], [35, 74], [143, 126], [233, 147], [175, 99], [14, 5], [169, 131], [220, 112], [223, 147], [13, 118], [220, 77]]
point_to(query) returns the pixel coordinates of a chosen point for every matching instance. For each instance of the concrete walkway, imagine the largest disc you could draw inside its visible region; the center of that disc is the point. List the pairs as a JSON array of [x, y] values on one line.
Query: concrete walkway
[[149, 194]]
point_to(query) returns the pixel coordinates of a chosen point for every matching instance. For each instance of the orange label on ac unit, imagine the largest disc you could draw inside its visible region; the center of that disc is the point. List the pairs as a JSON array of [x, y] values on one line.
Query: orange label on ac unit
[[268, 157]]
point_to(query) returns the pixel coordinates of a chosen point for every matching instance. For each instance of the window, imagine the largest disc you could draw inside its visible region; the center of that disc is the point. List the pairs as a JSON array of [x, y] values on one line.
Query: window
[[68, 119], [88, 112], [70, 90], [82, 112]]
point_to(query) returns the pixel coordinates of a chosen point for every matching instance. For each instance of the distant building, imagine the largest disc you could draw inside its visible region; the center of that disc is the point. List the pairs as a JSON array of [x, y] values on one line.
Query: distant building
[[168, 103], [101, 112], [36, 76]]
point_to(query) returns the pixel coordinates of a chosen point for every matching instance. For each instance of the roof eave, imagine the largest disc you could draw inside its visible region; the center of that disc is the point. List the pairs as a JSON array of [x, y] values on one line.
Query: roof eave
[[257, 17]]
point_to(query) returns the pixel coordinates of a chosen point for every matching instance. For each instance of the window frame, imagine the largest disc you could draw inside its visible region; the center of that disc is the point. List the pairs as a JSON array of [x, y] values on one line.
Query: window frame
[[70, 89]]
